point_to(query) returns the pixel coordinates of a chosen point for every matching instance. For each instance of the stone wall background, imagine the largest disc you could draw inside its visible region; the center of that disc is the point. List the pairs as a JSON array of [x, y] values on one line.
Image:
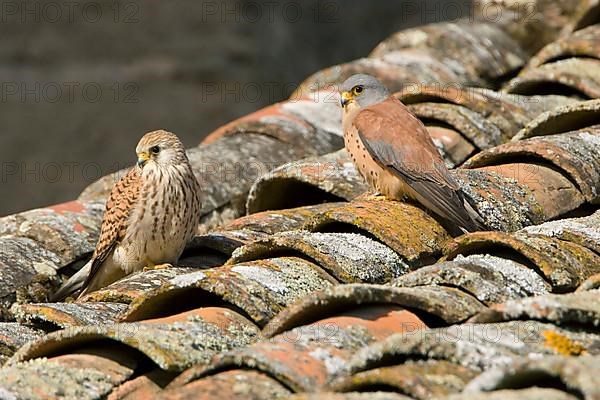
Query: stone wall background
[[81, 81]]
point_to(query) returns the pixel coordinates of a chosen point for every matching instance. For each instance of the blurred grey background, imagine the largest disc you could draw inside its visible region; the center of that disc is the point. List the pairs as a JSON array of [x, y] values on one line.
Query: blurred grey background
[[83, 80]]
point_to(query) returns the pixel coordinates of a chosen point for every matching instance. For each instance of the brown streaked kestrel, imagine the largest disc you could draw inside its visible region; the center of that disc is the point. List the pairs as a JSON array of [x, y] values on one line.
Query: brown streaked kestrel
[[151, 214], [393, 151]]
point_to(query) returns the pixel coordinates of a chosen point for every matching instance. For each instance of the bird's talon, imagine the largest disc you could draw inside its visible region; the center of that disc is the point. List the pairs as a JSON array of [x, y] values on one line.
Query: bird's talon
[[152, 267], [378, 197]]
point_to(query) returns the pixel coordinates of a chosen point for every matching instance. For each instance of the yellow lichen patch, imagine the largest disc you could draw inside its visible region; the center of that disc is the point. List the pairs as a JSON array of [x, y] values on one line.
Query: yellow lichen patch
[[562, 344]]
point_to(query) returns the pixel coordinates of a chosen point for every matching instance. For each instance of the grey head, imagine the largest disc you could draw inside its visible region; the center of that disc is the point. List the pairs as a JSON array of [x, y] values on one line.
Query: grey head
[[363, 89]]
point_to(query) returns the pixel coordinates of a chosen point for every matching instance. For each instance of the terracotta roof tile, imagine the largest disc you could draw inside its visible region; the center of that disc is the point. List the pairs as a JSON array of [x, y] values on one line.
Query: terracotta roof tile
[[581, 309], [13, 335], [304, 358], [135, 286], [62, 315], [575, 374], [234, 385], [490, 279], [475, 346], [348, 257], [264, 305], [564, 264], [172, 343], [418, 379], [260, 288]]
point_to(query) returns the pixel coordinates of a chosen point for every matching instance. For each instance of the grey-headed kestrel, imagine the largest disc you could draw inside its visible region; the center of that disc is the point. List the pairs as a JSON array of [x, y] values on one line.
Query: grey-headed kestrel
[[151, 214], [393, 151]]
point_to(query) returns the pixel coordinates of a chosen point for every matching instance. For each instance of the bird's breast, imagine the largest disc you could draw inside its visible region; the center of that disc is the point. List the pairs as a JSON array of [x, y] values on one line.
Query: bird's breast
[[163, 221], [379, 178]]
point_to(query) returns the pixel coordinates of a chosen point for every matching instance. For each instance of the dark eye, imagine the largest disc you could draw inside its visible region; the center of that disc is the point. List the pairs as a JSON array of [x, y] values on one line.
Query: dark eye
[[358, 90], [154, 149]]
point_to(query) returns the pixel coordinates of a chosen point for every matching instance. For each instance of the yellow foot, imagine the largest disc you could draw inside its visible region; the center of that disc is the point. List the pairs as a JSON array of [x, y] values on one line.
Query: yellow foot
[[377, 197], [153, 267]]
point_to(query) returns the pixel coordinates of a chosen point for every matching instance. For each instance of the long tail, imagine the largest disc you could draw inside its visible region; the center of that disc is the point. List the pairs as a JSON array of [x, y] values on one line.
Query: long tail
[[73, 284]]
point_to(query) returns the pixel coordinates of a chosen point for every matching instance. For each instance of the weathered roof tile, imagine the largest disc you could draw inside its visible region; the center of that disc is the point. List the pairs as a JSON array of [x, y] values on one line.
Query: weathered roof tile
[[173, 343], [14, 335], [233, 385], [62, 315], [260, 288], [490, 279], [577, 376], [476, 346], [564, 264], [349, 257], [581, 309], [304, 358], [418, 379], [310, 181], [437, 305]]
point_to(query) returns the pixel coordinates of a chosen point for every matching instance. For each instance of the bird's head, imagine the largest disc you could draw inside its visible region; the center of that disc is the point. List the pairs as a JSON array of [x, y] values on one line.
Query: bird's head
[[362, 90], [160, 148]]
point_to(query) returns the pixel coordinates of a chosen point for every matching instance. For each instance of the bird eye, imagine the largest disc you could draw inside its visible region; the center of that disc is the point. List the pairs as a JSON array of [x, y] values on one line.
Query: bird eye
[[154, 149], [358, 90]]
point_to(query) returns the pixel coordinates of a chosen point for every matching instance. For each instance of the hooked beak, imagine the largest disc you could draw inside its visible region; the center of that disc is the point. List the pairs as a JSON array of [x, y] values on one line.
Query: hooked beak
[[142, 158], [346, 99]]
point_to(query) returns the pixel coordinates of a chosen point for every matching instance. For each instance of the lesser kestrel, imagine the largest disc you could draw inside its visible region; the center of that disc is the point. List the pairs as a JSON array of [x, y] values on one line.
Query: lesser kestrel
[[393, 151], [152, 212]]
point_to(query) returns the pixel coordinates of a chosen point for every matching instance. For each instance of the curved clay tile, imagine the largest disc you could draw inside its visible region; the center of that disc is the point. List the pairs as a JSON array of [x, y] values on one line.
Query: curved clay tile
[[13, 336], [564, 264], [584, 231], [447, 52], [63, 315], [493, 118], [230, 385], [36, 244], [312, 123], [406, 229], [587, 14], [581, 309], [534, 393], [212, 249], [314, 180], [582, 43], [576, 154], [475, 346], [144, 386], [554, 194], [378, 395], [482, 52], [259, 289], [270, 222], [453, 147], [593, 282], [489, 279], [419, 379], [348, 257], [570, 76], [305, 358], [131, 287], [80, 376], [567, 118], [532, 23], [387, 69], [438, 304], [503, 203], [174, 343], [473, 126], [575, 375]]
